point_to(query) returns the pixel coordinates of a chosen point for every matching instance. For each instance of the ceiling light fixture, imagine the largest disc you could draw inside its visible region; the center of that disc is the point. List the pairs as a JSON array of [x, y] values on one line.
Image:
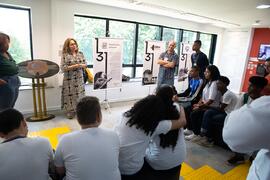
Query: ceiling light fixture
[[257, 23], [138, 5], [263, 6]]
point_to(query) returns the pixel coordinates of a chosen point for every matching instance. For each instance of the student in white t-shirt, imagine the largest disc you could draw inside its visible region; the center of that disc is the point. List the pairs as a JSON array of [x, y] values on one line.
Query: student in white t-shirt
[[135, 130], [210, 99], [255, 89], [227, 104], [90, 153], [166, 152], [247, 130], [21, 157]]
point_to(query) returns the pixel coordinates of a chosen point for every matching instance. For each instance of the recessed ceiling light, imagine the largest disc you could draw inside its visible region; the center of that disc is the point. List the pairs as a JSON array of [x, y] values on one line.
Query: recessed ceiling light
[[263, 6], [257, 23]]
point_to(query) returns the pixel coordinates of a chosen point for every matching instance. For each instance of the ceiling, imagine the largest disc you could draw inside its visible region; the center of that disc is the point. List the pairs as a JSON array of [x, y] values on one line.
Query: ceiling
[[241, 12], [222, 13]]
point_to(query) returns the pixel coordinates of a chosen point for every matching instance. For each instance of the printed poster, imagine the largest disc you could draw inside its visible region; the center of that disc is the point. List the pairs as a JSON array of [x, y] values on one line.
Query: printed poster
[[184, 61], [152, 50], [107, 65]]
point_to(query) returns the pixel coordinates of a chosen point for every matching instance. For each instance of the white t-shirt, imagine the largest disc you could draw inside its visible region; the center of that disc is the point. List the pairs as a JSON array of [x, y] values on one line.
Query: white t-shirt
[[247, 130], [230, 99], [166, 158], [25, 158], [210, 91], [134, 143], [240, 101], [90, 153]]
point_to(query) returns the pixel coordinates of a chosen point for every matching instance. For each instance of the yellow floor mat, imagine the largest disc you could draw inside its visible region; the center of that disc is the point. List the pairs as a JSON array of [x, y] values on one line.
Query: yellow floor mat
[[51, 134]]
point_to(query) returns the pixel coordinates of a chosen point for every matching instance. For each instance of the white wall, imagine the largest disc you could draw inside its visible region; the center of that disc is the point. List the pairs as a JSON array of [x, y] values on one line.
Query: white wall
[[234, 56], [52, 22]]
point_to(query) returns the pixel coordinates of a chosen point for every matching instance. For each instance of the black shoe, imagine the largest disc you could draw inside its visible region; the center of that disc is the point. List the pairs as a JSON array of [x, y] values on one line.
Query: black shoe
[[236, 159], [251, 158]]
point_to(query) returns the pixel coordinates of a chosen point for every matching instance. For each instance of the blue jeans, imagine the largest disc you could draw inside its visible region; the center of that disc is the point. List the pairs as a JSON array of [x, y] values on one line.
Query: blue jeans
[[209, 116], [9, 92]]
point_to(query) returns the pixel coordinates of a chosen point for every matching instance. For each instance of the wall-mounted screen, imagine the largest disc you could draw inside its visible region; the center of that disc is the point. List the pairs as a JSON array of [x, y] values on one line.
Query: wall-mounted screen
[[264, 51]]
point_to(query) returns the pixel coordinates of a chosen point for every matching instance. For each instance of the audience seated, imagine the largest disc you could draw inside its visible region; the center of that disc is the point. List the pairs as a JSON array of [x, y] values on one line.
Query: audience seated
[[136, 128], [166, 152], [247, 130], [255, 88], [22, 157], [217, 115], [90, 153], [191, 95], [266, 90], [210, 99]]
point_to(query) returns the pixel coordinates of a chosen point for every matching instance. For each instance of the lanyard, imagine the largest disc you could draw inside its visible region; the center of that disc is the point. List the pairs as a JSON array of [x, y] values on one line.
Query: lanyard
[[13, 138]]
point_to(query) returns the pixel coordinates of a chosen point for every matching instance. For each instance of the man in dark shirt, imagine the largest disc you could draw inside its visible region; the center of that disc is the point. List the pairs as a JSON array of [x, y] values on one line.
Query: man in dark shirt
[[199, 58]]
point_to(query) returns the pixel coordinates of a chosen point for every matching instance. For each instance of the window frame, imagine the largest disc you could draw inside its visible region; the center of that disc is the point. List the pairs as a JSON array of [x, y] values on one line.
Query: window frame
[[134, 64], [30, 31]]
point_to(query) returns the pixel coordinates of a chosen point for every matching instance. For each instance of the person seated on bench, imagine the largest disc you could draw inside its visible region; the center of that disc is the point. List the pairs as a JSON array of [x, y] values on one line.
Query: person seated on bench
[[210, 99], [227, 105], [191, 95]]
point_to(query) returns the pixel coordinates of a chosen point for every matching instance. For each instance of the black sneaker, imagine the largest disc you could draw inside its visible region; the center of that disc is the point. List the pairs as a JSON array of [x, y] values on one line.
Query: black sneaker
[[236, 159]]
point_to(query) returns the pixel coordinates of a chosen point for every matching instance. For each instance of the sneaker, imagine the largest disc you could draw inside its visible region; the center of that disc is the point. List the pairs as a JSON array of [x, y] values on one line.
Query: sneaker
[[188, 132], [70, 115], [205, 142], [236, 159], [189, 137], [196, 139]]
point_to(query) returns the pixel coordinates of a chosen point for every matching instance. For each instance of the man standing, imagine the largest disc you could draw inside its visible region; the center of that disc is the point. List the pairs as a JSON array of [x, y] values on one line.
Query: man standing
[[199, 58], [167, 61]]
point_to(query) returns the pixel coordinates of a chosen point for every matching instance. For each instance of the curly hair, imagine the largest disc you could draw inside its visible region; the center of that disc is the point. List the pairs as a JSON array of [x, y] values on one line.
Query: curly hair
[[66, 49], [166, 93], [146, 114]]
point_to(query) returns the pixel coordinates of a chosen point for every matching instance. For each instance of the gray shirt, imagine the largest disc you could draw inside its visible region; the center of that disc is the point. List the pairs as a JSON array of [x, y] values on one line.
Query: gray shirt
[[167, 73]]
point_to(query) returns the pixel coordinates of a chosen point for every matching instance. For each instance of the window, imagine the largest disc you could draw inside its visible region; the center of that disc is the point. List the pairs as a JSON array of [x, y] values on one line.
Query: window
[[189, 36], [16, 23], [126, 31], [146, 32], [86, 29], [171, 34], [134, 35], [206, 43]]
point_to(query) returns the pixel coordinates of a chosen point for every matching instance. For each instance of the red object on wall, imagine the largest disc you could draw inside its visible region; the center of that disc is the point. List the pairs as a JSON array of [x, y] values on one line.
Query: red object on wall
[[261, 36]]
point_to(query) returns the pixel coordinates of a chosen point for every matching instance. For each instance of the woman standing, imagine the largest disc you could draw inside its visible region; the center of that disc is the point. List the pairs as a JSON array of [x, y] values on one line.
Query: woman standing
[[9, 80], [72, 64]]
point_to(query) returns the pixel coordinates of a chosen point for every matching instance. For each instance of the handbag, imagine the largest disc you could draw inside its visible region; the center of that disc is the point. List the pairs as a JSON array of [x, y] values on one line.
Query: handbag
[[88, 76]]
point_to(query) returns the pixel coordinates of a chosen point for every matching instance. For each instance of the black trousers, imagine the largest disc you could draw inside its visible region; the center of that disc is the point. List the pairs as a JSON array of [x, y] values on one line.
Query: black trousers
[[196, 120], [151, 174]]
